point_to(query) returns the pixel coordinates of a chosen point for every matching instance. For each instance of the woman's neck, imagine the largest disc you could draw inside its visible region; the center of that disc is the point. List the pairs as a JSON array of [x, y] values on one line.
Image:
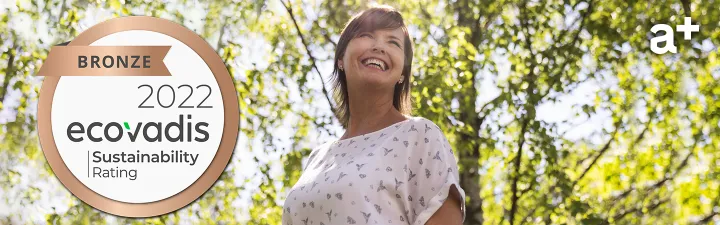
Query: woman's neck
[[369, 113]]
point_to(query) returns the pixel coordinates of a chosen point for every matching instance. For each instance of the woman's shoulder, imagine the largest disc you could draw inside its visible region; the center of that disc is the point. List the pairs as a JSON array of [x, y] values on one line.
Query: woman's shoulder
[[423, 125]]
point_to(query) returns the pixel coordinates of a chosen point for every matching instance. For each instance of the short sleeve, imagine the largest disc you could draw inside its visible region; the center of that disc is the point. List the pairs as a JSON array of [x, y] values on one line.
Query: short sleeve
[[432, 172], [310, 158]]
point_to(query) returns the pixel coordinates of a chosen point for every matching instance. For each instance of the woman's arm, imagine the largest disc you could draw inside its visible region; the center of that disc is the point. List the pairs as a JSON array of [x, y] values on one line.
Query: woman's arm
[[449, 212]]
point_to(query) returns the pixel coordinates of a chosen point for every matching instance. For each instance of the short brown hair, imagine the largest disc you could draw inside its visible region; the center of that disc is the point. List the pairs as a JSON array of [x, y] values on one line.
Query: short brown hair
[[374, 18]]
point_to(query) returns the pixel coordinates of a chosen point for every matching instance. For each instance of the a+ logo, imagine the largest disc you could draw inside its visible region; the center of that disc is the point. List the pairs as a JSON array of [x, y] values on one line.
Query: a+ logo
[[687, 29]]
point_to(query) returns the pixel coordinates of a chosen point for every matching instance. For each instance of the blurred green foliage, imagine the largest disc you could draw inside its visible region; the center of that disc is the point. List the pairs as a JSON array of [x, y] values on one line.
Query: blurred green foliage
[[483, 71]]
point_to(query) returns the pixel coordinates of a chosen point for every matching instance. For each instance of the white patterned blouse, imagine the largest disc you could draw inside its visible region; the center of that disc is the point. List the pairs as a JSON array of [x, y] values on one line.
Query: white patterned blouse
[[400, 174]]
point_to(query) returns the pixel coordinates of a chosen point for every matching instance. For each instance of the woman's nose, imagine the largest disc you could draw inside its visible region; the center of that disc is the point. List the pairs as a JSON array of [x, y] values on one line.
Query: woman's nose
[[378, 49]]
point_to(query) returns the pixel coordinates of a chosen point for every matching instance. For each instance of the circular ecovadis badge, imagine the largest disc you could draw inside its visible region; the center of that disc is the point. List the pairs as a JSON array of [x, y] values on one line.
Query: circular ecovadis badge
[[138, 116]]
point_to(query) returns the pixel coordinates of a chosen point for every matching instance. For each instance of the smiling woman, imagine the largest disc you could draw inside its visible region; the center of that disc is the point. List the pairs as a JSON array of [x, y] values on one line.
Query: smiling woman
[[389, 167]]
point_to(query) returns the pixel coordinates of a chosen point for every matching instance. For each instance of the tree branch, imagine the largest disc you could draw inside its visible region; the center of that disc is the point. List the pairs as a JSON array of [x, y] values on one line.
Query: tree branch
[[325, 34], [686, 7], [706, 219], [576, 37], [659, 183], [528, 215], [481, 119], [312, 58], [62, 11], [9, 72], [516, 178], [713, 213], [599, 155], [528, 116], [218, 46], [666, 178], [637, 209]]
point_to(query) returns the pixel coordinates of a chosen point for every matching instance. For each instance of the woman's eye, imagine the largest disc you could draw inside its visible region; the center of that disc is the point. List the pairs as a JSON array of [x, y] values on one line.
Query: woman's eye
[[395, 43], [366, 35]]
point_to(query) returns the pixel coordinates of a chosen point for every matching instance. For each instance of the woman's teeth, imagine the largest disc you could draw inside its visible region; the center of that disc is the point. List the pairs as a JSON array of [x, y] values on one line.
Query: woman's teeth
[[375, 63]]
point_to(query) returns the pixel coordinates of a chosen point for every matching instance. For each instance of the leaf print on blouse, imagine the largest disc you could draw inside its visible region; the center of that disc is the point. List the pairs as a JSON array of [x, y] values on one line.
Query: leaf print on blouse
[[366, 216], [387, 151], [338, 195], [406, 143], [395, 139], [305, 220], [437, 156], [342, 174], [350, 220], [427, 128], [360, 166], [422, 201], [381, 187], [427, 173], [378, 209], [329, 214], [412, 128], [397, 183], [411, 176]]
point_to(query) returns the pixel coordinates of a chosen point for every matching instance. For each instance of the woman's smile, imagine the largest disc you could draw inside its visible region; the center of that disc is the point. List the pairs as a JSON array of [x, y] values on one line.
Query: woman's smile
[[374, 63]]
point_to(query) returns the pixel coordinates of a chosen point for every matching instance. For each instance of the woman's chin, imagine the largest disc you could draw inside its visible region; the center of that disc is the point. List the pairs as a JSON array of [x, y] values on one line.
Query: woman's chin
[[375, 81]]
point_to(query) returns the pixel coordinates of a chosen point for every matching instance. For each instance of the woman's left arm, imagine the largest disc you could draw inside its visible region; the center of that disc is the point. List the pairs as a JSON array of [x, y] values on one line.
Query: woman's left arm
[[450, 212]]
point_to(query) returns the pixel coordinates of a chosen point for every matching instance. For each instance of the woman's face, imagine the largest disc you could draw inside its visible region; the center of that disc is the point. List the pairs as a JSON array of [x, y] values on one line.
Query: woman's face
[[375, 58]]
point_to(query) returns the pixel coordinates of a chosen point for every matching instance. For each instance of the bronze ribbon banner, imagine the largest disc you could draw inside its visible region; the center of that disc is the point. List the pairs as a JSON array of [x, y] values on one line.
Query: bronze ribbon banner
[[105, 61]]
